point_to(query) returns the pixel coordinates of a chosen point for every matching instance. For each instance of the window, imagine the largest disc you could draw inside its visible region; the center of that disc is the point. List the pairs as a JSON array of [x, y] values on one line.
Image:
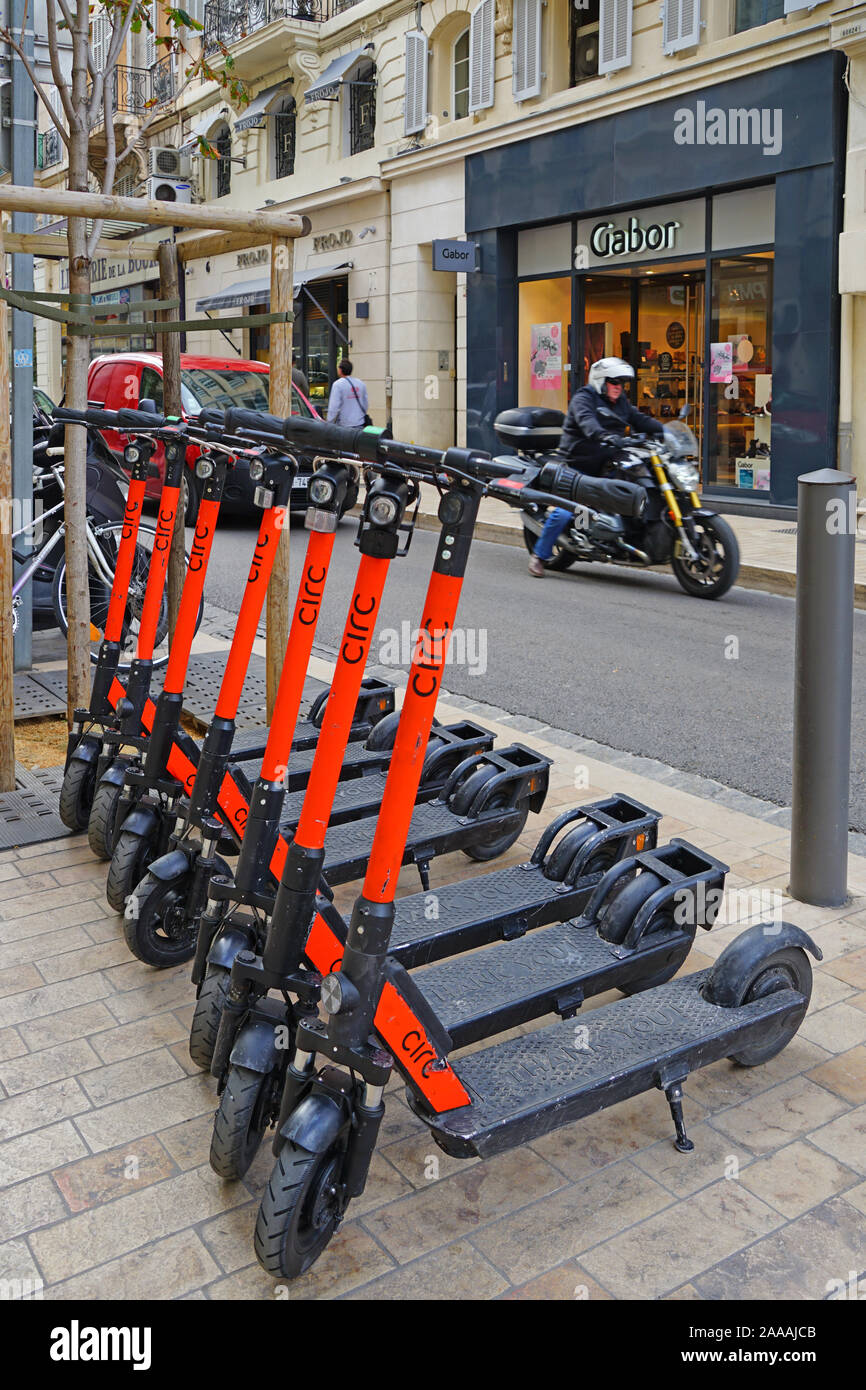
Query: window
[[150, 387], [460, 77], [100, 36], [585, 25], [751, 13], [285, 130], [361, 92]]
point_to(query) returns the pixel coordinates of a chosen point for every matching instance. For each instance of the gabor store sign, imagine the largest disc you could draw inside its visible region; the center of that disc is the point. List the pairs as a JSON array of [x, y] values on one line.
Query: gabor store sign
[[647, 234]]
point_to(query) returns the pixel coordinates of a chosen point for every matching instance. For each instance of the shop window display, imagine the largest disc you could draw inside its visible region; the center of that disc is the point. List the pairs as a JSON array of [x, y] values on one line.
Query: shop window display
[[740, 377]]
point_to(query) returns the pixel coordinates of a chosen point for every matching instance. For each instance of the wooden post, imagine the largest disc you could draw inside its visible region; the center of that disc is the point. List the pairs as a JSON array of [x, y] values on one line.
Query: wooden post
[[280, 400], [7, 683], [171, 402]]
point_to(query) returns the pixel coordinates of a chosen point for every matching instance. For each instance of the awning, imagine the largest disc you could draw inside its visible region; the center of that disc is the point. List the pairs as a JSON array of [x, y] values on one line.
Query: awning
[[254, 114], [259, 291], [199, 131], [327, 88]]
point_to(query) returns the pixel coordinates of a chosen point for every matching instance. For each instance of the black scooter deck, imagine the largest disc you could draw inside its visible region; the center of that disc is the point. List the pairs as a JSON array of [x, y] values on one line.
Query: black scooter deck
[[552, 971], [527, 1086], [358, 761], [491, 907]]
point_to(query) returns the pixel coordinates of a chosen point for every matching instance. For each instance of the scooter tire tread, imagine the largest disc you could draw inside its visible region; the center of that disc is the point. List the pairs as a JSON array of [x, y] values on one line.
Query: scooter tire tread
[[206, 1018], [123, 878], [147, 946], [230, 1155], [287, 1187], [101, 822], [76, 794]]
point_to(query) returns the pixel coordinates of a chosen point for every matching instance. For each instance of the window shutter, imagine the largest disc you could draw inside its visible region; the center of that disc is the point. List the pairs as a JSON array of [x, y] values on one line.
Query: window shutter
[[527, 49], [614, 50], [100, 34], [682, 25], [415, 107], [151, 52], [481, 55]]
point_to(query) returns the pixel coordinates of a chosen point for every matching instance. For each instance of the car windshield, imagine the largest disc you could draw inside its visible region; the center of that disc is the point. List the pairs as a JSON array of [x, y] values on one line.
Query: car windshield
[[42, 402], [210, 386]]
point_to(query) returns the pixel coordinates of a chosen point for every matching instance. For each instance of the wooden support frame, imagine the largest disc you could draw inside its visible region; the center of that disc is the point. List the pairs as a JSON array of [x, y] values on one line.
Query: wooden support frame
[[220, 227]]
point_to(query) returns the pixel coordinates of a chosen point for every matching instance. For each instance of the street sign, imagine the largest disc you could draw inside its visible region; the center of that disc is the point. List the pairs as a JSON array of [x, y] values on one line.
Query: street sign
[[455, 255], [22, 357]]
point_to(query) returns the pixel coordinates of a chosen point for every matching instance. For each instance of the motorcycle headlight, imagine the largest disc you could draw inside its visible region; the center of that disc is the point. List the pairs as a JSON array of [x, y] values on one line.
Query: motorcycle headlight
[[684, 476]]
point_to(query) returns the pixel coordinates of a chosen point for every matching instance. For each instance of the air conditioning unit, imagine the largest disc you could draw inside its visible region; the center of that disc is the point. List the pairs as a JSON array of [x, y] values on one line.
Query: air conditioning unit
[[163, 162], [169, 191]]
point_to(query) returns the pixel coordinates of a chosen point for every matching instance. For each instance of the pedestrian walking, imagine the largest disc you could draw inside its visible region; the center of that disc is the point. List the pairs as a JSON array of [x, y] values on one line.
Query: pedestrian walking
[[348, 403]]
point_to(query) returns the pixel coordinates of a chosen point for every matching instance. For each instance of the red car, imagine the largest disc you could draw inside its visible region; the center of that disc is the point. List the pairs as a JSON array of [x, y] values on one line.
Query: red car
[[120, 380]]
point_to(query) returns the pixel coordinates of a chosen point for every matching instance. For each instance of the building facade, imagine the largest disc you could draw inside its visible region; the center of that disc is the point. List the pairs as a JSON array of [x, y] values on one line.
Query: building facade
[[678, 184]]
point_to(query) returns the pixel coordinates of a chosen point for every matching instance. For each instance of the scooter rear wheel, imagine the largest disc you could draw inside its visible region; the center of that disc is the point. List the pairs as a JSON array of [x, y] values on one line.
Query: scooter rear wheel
[[208, 1012], [100, 827], [130, 861], [240, 1123], [155, 923], [76, 794], [299, 1211]]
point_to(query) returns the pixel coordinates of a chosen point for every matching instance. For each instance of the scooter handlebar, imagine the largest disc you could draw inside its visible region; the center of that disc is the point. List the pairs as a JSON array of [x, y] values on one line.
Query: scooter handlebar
[[101, 419]]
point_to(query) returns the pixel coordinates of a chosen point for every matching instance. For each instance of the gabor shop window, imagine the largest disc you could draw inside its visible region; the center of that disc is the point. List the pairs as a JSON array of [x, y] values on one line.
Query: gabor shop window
[[741, 372], [544, 335]]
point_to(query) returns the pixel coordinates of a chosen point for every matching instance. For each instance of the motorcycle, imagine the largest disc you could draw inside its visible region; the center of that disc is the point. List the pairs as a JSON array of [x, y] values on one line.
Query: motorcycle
[[674, 529]]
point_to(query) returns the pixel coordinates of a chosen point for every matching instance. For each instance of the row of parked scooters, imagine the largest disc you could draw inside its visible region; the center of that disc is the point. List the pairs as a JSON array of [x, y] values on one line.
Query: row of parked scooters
[[302, 1016]]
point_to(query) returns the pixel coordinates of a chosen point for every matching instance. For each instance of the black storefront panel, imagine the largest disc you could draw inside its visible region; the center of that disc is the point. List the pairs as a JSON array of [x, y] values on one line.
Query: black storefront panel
[[610, 165]]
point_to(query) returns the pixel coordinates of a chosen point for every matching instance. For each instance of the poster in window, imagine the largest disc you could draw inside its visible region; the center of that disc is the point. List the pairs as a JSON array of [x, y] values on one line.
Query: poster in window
[[545, 350], [721, 362]]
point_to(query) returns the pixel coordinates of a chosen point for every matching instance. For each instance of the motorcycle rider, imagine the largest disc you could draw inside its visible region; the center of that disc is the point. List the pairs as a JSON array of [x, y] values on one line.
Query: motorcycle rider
[[589, 441]]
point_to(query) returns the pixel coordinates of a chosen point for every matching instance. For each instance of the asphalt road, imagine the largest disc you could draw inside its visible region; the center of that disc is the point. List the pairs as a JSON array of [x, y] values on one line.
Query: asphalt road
[[621, 657]]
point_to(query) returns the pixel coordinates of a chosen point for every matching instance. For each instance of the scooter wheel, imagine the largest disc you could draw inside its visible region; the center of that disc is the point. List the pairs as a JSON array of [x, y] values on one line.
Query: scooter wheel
[[785, 968], [76, 793], [299, 1211], [130, 861], [155, 924], [496, 841], [100, 827], [240, 1123], [208, 1012]]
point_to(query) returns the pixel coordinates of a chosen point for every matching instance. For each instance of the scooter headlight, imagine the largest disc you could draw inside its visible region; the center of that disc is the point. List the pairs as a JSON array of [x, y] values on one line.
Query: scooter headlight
[[204, 467], [684, 476], [257, 470], [321, 491], [384, 510], [131, 453], [338, 995]]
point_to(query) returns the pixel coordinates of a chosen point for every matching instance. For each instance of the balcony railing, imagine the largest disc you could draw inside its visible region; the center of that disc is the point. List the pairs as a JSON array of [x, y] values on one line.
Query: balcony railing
[[226, 21], [137, 91], [50, 148]]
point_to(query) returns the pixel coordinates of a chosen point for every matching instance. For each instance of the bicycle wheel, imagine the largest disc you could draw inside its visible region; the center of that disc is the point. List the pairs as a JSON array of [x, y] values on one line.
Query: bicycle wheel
[[108, 538]]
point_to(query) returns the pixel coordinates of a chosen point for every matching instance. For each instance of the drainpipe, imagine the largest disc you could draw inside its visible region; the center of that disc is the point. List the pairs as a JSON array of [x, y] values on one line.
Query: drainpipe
[[389, 378]]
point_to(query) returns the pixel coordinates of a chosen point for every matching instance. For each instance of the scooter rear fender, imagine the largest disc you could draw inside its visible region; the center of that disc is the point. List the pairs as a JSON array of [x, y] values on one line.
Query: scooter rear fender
[[115, 773], [142, 821], [256, 1046], [85, 751]]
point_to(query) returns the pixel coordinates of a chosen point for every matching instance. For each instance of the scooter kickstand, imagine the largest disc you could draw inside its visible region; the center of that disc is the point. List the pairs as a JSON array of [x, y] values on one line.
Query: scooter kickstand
[[423, 867], [674, 1094]]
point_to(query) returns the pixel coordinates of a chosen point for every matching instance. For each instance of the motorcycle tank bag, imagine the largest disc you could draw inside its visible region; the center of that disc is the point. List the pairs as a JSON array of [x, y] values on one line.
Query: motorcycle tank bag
[[531, 429], [602, 494]]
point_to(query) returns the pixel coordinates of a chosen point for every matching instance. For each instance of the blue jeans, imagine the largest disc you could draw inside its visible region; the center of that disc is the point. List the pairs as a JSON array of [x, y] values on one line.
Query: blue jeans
[[554, 526]]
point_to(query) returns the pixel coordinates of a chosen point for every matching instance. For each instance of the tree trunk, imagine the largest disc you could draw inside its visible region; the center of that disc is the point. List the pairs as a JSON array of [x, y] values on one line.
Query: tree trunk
[[280, 401], [75, 458], [171, 404]]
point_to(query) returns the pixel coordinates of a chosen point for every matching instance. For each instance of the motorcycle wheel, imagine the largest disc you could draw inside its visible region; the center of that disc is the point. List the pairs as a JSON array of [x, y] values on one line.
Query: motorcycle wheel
[[719, 562], [560, 560]]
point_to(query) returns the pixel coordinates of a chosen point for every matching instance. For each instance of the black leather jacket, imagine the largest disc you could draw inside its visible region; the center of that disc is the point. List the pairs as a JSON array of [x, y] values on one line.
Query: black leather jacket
[[583, 428]]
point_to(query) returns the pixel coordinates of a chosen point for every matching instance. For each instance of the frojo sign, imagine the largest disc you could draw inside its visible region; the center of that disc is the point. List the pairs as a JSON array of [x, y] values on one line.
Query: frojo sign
[[607, 239], [455, 255]]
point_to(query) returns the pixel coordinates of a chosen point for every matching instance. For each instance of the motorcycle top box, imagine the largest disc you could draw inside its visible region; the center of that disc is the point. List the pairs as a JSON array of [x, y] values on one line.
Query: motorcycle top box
[[530, 429]]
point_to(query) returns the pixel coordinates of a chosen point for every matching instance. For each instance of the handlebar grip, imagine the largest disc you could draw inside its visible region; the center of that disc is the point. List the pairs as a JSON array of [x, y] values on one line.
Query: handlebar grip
[[101, 419], [211, 418], [611, 495], [254, 421], [133, 420], [328, 438]]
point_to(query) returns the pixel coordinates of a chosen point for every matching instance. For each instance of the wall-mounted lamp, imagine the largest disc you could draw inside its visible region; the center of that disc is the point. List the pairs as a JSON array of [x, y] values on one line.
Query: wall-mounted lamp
[[367, 231]]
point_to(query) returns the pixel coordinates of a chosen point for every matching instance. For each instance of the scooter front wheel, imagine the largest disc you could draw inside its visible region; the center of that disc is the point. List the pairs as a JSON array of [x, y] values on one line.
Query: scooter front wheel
[[100, 827], [155, 924], [208, 1011], [299, 1211], [240, 1123], [130, 861], [76, 794]]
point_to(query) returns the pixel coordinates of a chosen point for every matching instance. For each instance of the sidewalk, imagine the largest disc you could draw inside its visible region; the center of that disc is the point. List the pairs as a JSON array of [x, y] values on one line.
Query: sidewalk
[[105, 1123], [768, 548]]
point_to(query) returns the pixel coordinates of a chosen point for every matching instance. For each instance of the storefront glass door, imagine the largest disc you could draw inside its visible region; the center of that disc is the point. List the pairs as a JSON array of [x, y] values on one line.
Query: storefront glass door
[[740, 376], [670, 346]]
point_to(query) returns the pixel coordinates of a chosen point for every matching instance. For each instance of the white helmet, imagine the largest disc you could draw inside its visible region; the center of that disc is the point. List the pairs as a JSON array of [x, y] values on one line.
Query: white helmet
[[609, 369]]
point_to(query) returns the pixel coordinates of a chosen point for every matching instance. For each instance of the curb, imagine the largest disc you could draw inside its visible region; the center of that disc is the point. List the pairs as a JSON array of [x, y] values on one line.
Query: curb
[[762, 577]]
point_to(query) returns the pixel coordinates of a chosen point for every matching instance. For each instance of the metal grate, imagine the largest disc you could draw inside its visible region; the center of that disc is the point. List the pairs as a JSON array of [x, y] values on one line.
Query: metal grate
[[28, 816], [35, 698]]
